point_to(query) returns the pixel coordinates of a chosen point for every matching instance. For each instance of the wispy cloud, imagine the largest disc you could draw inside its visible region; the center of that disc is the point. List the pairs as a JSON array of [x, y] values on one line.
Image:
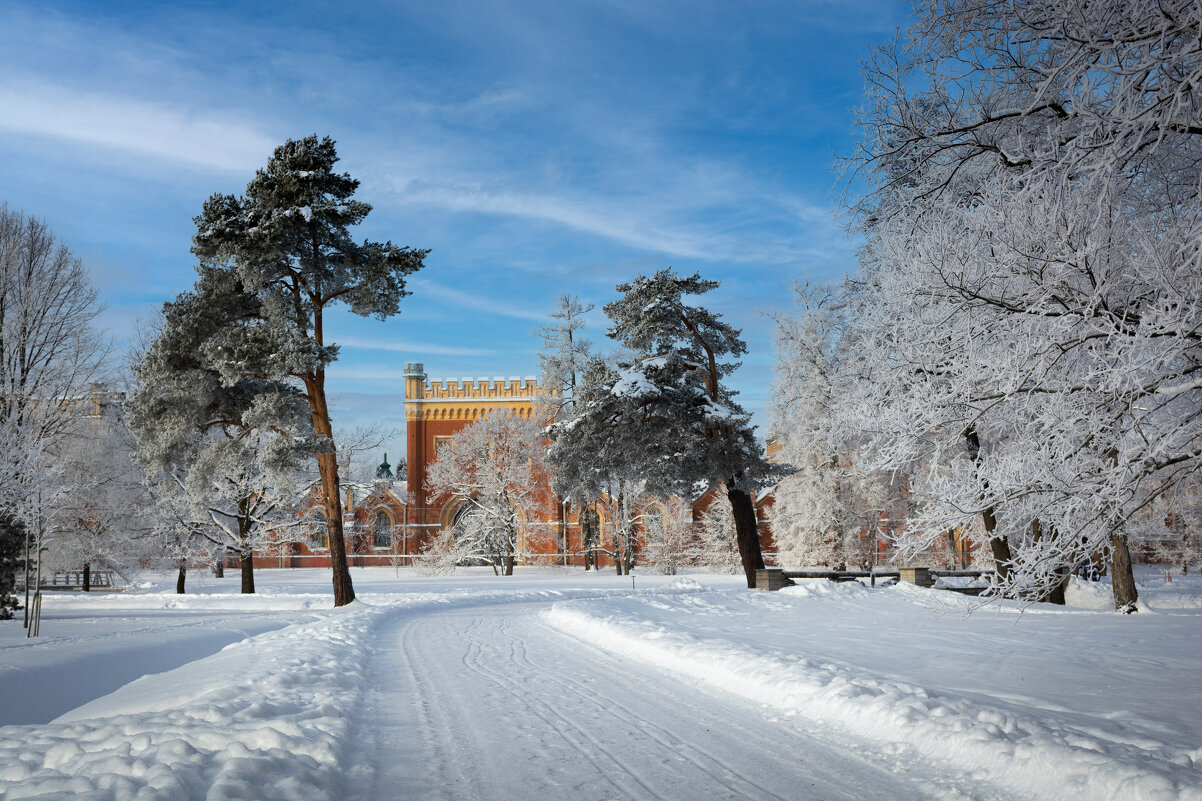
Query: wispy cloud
[[405, 346], [466, 300], [575, 214], [193, 137]]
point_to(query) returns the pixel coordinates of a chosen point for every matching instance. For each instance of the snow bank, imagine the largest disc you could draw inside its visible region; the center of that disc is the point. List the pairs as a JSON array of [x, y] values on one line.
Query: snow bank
[[266, 718], [263, 719], [712, 638]]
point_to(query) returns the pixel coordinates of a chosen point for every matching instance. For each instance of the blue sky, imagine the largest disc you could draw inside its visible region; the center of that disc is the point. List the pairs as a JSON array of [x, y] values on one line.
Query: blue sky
[[536, 148]]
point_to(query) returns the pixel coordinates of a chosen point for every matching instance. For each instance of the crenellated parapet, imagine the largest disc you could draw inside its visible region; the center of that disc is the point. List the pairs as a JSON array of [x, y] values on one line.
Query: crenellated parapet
[[515, 389], [465, 399]]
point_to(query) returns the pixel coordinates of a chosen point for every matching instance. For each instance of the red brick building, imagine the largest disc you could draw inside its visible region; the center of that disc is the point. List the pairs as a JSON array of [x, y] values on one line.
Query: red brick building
[[391, 524]]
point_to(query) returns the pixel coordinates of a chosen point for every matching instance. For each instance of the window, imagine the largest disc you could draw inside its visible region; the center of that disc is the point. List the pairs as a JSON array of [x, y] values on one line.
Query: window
[[381, 530], [439, 444]]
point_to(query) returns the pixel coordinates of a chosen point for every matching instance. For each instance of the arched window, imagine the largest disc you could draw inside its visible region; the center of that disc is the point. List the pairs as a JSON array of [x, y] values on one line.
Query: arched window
[[381, 530]]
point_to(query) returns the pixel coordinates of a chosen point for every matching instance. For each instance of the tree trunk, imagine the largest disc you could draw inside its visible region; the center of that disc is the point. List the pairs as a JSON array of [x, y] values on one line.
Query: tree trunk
[[628, 556], [87, 577], [1002, 557], [219, 566], [246, 553], [1053, 594], [1122, 579], [327, 466], [29, 549], [746, 532], [248, 573], [620, 522], [179, 580]]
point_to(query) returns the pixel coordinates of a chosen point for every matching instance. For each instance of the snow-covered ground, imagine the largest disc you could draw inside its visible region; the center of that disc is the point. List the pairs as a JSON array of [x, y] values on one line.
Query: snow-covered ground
[[559, 684]]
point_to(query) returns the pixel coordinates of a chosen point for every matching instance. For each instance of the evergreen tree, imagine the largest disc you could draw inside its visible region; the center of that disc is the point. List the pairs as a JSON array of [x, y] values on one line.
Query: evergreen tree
[[603, 449], [12, 544], [288, 241], [563, 357], [564, 353], [706, 436], [224, 452]]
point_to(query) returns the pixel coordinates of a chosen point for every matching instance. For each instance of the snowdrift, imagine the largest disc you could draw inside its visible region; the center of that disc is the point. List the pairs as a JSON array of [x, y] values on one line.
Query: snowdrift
[[736, 642]]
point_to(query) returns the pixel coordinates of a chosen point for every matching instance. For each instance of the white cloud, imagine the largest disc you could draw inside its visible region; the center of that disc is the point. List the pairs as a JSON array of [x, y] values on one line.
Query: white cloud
[[194, 137]]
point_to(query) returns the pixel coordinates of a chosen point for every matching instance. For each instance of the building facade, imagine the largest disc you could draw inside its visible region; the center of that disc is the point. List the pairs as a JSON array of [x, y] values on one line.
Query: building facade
[[391, 523]]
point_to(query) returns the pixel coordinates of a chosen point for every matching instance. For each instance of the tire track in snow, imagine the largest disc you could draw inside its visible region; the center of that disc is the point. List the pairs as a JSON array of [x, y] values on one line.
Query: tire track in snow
[[577, 737], [624, 716]]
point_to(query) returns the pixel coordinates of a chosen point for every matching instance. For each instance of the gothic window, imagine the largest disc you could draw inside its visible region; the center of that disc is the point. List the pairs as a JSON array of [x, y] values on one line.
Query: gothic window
[[381, 530]]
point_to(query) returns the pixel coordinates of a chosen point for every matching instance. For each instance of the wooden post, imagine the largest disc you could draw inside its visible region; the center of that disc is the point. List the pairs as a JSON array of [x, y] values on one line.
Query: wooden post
[[920, 576], [771, 579]]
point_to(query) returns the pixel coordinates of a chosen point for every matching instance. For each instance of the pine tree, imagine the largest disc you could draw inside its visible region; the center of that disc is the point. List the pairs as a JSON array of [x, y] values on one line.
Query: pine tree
[[563, 357], [223, 452], [288, 241], [604, 448], [564, 352], [12, 544], [683, 402]]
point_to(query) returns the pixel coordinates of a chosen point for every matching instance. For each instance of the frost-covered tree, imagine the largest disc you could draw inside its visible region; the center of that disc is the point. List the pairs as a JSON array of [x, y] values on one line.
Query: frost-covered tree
[[717, 543], [49, 355], [1172, 530], [670, 535], [562, 358], [686, 415], [564, 353], [827, 512], [288, 242], [1027, 310], [48, 348], [225, 452], [105, 514], [496, 468]]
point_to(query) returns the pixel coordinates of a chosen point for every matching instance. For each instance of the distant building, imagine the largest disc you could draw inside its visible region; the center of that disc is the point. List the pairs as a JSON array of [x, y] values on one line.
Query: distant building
[[391, 525]]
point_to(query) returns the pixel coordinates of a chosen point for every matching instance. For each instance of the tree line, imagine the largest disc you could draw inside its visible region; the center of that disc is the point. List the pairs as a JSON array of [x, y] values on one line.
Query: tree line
[[1015, 359], [1019, 351]]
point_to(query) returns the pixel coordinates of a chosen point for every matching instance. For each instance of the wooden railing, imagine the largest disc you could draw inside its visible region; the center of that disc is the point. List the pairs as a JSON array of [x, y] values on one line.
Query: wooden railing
[[73, 580], [775, 578]]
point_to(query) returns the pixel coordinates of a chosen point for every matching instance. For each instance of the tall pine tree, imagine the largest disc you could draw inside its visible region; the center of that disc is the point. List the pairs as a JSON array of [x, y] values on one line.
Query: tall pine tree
[[664, 417], [288, 241]]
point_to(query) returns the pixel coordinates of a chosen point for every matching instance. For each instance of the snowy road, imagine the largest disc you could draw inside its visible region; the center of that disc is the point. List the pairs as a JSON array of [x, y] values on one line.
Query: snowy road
[[559, 685], [489, 702]]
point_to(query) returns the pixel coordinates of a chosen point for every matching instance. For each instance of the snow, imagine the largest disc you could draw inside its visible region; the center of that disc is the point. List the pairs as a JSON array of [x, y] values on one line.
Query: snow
[[632, 383], [555, 683]]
